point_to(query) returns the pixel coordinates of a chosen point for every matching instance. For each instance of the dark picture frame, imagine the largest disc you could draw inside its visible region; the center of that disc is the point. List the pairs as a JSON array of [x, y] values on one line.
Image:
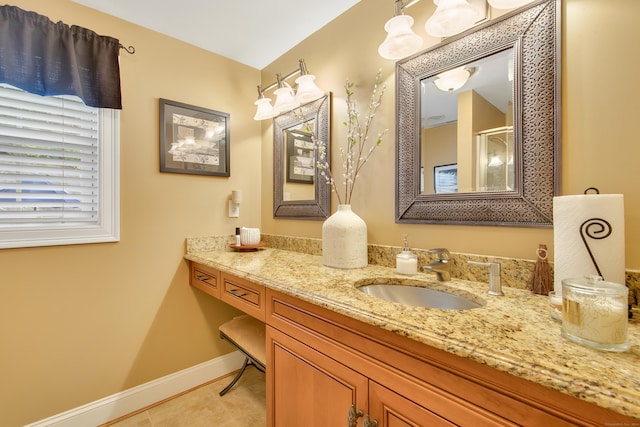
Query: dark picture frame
[[445, 178], [193, 140], [301, 156]]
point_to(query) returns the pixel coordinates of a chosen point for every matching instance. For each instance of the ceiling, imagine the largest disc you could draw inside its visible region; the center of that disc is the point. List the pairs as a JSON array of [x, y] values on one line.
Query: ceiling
[[253, 32]]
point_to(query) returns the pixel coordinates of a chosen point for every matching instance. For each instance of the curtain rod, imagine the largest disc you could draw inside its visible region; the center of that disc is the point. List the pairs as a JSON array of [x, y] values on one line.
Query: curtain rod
[[130, 50]]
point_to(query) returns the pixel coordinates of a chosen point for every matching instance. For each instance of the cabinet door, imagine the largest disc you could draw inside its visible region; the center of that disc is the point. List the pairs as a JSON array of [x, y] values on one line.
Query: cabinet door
[[390, 409], [307, 388]]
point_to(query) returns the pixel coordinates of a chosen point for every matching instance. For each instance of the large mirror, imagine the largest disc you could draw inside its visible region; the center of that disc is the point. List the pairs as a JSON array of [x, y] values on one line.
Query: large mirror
[[478, 124], [299, 191]]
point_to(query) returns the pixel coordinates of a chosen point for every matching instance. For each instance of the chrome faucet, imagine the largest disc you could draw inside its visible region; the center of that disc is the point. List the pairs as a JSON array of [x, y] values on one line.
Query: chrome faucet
[[441, 266]]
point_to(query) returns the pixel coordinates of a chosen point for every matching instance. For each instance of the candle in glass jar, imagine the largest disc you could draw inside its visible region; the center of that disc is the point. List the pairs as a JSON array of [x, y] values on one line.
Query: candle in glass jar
[[594, 313], [600, 321]]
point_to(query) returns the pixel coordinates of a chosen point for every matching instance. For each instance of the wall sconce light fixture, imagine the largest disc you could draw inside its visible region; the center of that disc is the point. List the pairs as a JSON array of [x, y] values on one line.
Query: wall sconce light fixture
[[286, 98], [234, 203], [401, 41], [508, 4], [451, 17]]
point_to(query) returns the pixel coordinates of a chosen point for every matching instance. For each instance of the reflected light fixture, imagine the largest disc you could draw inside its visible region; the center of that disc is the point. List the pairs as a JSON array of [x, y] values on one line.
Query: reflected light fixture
[[286, 98], [451, 17], [495, 161], [508, 4], [451, 80], [401, 41]]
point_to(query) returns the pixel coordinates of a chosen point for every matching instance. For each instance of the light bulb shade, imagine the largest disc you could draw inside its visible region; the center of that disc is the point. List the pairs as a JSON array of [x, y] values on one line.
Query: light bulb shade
[[451, 17], [495, 161], [307, 90], [401, 41], [508, 4], [285, 99], [452, 80], [265, 109]]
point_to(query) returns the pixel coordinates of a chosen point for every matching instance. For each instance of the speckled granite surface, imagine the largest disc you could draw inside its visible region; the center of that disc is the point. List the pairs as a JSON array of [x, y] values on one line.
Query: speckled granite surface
[[513, 333]]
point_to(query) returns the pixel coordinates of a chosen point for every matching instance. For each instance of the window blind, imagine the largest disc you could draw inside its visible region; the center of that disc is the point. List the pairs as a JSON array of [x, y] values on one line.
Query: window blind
[[48, 160]]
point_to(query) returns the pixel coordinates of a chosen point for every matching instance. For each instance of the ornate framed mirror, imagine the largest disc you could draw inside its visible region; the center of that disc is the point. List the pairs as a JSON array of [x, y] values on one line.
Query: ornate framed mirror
[[298, 190], [478, 132]]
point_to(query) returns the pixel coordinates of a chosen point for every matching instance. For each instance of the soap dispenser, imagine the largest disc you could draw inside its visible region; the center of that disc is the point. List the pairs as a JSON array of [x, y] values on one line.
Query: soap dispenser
[[406, 261]]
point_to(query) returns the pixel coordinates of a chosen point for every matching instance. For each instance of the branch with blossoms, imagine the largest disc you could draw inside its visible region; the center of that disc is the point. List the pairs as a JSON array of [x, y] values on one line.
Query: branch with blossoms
[[358, 148]]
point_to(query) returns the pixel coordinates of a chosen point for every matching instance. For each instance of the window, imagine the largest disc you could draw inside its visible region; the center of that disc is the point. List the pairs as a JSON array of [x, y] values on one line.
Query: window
[[59, 162]]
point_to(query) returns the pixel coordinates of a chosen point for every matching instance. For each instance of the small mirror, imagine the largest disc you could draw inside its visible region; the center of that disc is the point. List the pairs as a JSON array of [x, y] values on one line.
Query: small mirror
[[299, 191], [478, 134]]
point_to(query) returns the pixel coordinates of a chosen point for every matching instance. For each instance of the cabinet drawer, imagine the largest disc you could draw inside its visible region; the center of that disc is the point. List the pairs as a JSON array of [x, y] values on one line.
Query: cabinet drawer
[[243, 295], [205, 278]]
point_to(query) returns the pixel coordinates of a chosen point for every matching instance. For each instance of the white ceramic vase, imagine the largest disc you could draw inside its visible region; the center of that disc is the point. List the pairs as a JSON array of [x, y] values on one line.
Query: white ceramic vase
[[344, 240]]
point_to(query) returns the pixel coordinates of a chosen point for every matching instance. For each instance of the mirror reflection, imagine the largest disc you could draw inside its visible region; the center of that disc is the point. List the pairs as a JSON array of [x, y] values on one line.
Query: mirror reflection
[[299, 160], [467, 132]]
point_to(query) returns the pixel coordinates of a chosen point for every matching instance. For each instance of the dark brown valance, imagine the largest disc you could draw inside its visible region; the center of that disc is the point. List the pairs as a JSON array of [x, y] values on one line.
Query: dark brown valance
[[47, 58]]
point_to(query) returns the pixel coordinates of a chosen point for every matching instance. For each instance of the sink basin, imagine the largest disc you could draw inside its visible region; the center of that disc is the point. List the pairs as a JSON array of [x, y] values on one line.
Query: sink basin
[[419, 296]]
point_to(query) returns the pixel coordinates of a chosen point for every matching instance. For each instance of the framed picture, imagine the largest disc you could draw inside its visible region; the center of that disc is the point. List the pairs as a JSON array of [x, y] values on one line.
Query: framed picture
[[193, 140], [445, 178], [300, 154]]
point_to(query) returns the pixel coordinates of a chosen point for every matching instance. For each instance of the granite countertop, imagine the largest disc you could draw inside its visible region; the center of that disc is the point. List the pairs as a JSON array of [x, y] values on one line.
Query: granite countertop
[[512, 333]]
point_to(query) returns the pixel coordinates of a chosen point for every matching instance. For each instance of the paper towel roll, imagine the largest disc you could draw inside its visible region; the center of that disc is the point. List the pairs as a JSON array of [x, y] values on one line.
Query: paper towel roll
[[572, 259]]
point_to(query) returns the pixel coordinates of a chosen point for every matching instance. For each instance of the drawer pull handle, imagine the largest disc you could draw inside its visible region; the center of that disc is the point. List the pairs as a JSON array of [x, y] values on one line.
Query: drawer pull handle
[[203, 278], [368, 423], [236, 293], [353, 416]]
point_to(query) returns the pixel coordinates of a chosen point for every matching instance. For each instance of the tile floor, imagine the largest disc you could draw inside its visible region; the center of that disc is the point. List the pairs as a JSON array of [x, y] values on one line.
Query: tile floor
[[242, 406]]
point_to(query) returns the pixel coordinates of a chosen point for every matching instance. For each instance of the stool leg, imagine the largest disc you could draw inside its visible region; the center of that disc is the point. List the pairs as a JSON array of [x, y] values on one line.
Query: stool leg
[[237, 377]]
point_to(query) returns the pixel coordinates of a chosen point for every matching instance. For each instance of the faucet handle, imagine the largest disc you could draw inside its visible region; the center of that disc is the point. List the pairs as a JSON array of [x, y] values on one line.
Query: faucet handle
[[442, 254], [495, 283]]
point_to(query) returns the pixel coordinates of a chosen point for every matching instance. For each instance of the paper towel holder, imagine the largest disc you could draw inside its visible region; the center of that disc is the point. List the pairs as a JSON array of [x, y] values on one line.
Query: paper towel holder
[[594, 228]]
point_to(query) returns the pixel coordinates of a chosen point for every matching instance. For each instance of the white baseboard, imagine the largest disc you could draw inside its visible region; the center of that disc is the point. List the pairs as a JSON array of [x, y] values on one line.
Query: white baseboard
[[128, 401]]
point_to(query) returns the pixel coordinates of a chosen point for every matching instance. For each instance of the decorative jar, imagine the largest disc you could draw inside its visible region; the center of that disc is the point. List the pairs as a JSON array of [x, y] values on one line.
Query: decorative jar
[[595, 313]]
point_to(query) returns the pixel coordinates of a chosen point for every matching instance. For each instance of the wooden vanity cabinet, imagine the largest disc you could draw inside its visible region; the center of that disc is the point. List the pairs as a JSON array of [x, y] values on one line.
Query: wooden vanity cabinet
[[309, 388], [319, 363]]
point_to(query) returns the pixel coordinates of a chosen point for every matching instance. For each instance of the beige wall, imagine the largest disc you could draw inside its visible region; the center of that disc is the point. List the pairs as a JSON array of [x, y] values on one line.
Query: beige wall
[[443, 152], [78, 323], [599, 131]]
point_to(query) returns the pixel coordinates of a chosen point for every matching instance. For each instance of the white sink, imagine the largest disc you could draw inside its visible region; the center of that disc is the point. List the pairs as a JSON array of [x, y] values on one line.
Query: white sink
[[419, 296]]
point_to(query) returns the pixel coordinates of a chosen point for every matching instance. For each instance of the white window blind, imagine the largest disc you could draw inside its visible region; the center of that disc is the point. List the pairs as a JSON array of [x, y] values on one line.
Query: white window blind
[[50, 163]]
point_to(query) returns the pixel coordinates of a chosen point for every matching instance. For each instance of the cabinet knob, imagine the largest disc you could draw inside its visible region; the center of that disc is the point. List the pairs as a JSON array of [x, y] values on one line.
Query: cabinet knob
[[352, 419]]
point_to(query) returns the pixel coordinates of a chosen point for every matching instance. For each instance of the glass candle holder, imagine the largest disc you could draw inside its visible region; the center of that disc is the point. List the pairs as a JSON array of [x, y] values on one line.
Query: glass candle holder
[[555, 306], [595, 313]]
